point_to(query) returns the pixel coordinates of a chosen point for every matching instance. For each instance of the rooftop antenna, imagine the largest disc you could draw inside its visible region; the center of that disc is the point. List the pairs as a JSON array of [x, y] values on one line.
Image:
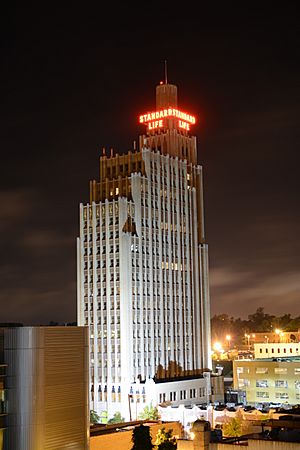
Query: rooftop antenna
[[166, 72]]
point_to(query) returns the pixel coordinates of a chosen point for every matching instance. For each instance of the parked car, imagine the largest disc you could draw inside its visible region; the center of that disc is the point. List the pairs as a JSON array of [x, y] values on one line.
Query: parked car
[[249, 408], [203, 407], [219, 407], [231, 409]]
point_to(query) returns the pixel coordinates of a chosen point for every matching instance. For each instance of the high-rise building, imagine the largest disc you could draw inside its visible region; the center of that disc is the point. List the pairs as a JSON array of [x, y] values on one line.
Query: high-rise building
[[142, 270]]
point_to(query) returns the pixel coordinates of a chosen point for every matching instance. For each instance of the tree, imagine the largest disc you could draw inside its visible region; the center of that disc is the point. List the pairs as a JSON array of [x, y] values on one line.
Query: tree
[[117, 418], [94, 417], [260, 321], [233, 428], [257, 322], [165, 440], [149, 412], [141, 438]]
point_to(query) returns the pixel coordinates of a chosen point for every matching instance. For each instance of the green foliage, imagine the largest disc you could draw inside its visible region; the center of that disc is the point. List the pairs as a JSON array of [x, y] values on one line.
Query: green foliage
[[104, 416], [165, 440], [149, 412], [117, 418], [94, 417], [141, 438], [233, 428]]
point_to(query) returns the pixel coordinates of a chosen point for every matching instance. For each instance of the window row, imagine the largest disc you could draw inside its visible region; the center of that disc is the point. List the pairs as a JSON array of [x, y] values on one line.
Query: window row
[[265, 370], [284, 350]]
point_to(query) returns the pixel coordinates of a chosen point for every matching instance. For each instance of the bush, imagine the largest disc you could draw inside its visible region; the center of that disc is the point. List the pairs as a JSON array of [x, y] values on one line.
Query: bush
[[165, 440], [94, 417], [149, 412], [117, 418], [233, 428]]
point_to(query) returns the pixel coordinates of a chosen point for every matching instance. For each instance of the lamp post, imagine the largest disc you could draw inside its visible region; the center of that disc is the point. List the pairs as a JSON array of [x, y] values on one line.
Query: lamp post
[[279, 334], [247, 336], [228, 339], [130, 396], [217, 347], [253, 339]]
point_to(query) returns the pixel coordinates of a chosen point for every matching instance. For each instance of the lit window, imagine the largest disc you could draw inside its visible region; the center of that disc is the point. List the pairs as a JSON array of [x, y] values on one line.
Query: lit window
[[243, 383], [262, 383], [282, 395], [262, 394], [281, 384], [280, 370], [261, 370]]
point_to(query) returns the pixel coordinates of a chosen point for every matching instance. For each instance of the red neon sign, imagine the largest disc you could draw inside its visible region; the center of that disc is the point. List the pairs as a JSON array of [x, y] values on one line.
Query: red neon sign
[[155, 120]]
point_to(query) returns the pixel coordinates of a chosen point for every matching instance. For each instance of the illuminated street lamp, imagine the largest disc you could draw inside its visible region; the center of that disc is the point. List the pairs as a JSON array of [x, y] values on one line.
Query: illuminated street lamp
[[279, 333], [247, 336], [218, 347], [228, 339]]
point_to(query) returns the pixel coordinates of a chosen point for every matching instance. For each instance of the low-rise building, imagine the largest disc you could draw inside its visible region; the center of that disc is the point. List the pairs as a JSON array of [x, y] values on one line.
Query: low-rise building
[[273, 376]]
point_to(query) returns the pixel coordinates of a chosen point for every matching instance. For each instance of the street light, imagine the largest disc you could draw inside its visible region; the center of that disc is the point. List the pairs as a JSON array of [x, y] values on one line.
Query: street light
[[218, 347], [247, 336], [279, 334], [228, 339]]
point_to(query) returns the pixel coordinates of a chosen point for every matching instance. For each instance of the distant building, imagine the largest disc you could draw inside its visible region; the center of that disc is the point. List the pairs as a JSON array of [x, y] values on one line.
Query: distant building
[[276, 336], [46, 387], [273, 376], [143, 286], [277, 350]]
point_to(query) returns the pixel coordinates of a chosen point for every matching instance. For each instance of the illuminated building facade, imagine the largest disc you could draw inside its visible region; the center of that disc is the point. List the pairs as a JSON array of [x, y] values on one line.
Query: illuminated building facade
[[272, 377], [142, 267]]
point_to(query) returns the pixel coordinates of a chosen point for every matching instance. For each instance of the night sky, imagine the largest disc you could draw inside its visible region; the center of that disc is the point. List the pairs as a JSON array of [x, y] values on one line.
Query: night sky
[[75, 80]]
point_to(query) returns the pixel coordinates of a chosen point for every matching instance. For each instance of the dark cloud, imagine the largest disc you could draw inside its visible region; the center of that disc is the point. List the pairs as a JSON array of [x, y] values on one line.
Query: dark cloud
[[33, 304], [37, 260], [45, 240], [16, 206], [240, 294], [72, 82]]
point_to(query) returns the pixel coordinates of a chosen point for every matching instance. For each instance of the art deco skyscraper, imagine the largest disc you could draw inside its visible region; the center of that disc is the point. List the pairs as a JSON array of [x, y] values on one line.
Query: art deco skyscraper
[[143, 266]]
